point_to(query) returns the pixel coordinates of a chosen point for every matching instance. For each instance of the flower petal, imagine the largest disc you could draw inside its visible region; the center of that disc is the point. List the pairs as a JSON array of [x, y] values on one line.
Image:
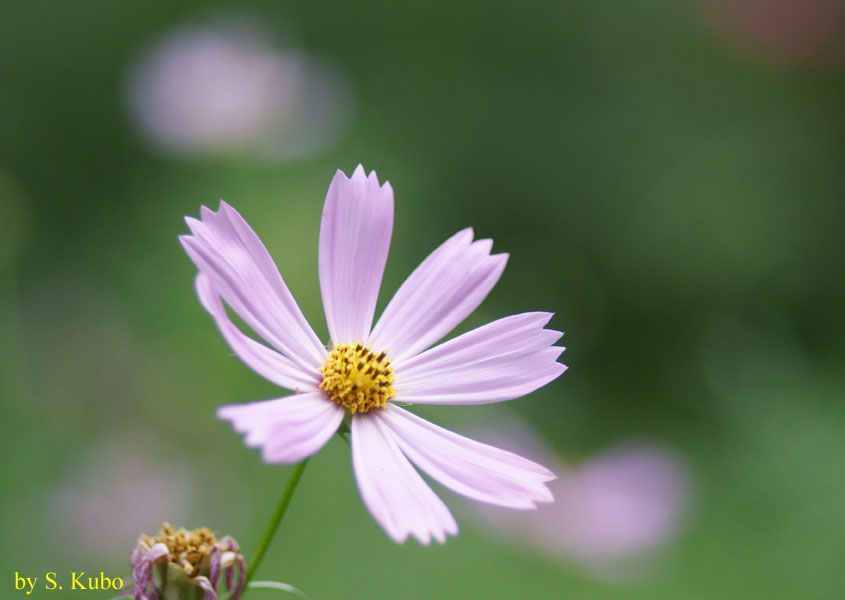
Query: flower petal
[[157, 551], [354, 241], [227, 251], [441, 292], [476, 470], [394, 493], [502, 360], [202, 582], [288, 429], [266, 362]]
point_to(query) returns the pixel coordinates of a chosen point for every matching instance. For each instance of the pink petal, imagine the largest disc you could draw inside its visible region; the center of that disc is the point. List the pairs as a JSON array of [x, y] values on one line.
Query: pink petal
[[394, 493], [354, 240], [502, 360], [288, 429], [441, 292], [476, 470], [227, 251], [266, 362], [157, 551], [209, 593]]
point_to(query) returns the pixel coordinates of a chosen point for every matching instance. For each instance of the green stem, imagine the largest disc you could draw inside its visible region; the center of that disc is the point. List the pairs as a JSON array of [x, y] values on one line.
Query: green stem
[[273, 525], [344, 430]]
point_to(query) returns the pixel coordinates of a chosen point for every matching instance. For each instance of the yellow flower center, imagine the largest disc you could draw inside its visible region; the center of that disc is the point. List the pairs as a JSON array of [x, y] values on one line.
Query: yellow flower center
[[188, 549], [355, 377]]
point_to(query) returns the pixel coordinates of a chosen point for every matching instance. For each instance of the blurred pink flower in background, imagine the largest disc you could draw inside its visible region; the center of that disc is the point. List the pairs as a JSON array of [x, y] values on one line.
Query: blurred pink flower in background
[[227, 89], [119, 486], [791, 31], [620, 505]]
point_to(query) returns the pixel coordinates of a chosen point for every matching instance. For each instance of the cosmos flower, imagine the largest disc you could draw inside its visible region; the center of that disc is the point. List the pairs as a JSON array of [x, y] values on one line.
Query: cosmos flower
[[368, 370], [225, 88], [178, 563], [614, 512]]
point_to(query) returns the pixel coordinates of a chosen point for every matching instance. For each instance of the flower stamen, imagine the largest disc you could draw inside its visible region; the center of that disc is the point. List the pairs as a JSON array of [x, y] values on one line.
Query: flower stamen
[[188, 549], [357, 378]]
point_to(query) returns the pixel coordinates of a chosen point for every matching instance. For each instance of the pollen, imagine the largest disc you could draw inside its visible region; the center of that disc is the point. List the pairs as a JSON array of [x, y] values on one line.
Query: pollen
[[357, 378], [188, 549]]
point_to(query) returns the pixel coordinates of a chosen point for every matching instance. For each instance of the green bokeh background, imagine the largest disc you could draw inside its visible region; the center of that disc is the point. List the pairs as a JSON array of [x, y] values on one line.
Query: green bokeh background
[[674, 197]]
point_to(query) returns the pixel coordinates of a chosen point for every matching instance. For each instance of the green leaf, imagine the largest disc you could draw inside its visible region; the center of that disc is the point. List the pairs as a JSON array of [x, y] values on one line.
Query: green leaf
[[276, 585]]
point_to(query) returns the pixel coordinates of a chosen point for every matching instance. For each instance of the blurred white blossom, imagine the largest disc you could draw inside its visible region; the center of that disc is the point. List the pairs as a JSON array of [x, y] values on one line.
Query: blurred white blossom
[[227, 89]]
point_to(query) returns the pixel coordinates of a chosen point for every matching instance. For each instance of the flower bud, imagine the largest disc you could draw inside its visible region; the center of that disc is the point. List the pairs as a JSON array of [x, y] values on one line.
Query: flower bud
[[178, 564]]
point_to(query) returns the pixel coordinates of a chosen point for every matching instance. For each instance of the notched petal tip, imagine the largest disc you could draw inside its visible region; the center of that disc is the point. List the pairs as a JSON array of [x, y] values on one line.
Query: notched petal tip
[[501, 259], [355, 232], [360, 177], [193, 222], [543, 317], [232, 413], [464, 235], [207, 214], [226, 412], [394, 493], [484, 245], [476, 470], [185, 240], [286, 429], [555, 352]]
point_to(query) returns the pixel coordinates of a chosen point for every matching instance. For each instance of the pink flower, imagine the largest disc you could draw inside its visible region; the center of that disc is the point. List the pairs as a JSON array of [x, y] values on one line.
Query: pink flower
[[368, 369], [628, 500], [614, 512], [224, 88]]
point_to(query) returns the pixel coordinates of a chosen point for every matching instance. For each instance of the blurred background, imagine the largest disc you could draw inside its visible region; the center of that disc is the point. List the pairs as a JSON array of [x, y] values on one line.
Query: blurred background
[[667, 177]]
